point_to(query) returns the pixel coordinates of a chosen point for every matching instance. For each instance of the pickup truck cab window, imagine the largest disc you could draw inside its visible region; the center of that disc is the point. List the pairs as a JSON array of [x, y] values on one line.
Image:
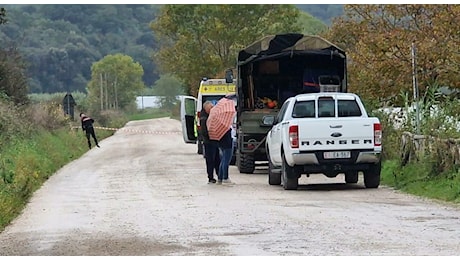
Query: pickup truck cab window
[[304, 109], [348, 108], [326, 107]]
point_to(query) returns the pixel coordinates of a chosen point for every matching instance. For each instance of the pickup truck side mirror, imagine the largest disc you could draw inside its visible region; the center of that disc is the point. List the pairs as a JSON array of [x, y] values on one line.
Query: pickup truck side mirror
[[229, 76], [268, 120]]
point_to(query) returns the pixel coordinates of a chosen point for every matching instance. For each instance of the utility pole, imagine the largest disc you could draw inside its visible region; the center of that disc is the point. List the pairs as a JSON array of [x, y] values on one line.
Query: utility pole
[[102, 93], [416, 94]]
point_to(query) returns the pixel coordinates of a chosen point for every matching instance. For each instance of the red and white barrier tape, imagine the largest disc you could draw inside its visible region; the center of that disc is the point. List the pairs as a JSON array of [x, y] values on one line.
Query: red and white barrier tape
[[134, 131]]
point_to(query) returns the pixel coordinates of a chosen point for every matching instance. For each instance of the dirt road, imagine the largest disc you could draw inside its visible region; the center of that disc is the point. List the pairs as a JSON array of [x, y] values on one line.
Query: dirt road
[[145, 192]]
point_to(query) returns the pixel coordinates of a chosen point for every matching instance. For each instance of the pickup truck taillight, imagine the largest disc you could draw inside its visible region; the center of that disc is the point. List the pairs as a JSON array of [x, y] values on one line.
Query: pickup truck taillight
[[294, 136], [377, 135]]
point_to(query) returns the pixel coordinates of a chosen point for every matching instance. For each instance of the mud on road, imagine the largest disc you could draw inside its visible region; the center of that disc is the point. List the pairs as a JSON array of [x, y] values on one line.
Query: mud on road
[[145, 192]]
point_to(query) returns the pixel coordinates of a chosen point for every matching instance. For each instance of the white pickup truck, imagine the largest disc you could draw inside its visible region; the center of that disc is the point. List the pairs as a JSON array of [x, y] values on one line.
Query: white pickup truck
[[323, 133]]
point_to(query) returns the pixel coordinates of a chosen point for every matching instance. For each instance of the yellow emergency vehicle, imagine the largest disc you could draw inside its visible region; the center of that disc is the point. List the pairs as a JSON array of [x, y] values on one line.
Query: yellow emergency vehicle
[[210, 90]]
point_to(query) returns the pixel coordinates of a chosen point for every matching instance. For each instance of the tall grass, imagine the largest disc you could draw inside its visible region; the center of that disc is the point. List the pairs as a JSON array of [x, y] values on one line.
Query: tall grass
[[26, 163], [35, 141]]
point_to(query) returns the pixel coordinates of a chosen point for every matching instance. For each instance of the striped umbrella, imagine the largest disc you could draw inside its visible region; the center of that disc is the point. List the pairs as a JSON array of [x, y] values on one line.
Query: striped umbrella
[[220, 118]]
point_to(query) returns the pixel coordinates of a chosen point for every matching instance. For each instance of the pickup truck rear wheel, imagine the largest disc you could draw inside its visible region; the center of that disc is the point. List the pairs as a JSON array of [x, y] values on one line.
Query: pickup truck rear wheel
[[351, 177], [286, 170], [372, 176], [274, 175], [245, 163]]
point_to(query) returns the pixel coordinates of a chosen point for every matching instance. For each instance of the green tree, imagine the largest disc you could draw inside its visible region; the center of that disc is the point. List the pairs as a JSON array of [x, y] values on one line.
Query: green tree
[[13, 80], [115, 81], [310, 25], [168, 88], [378, 40], [2, 15], [203, 40]]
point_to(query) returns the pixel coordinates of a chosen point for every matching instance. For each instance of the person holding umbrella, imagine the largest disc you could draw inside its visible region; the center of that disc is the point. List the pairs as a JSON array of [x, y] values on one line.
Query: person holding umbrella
[[211, 147], [219, 125]]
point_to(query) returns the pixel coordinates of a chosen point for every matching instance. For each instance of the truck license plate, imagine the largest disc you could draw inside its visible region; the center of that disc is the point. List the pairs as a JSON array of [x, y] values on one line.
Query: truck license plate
[[337, 155]]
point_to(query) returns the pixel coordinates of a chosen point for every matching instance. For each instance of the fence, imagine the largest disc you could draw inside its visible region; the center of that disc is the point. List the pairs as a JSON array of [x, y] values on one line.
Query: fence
[[415, 148]]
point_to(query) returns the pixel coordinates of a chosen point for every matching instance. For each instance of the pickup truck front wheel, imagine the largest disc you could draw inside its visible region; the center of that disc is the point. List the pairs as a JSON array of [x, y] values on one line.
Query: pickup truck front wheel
[[289, 182], [372, 176]]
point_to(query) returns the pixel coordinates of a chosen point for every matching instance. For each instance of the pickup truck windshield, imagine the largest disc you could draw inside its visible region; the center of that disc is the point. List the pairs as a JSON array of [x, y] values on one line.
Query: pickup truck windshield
[[326, 108]]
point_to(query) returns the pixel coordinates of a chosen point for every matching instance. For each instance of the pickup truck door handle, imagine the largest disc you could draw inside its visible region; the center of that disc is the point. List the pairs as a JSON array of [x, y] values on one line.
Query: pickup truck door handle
[[285, 123], [335, 126]]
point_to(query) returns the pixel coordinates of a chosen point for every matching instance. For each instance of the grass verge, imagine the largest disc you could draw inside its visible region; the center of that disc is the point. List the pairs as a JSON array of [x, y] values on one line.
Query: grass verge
[[416, 179]]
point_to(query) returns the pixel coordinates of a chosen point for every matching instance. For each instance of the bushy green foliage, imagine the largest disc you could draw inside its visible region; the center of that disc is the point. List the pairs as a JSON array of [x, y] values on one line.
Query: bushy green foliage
[[110, 118], [11, 124], [13, 81], [432, 170]]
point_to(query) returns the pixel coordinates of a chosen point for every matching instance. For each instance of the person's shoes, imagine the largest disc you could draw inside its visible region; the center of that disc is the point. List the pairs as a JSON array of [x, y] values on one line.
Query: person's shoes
[[219, 182], [98, 145], [228, 181], [212, 181]]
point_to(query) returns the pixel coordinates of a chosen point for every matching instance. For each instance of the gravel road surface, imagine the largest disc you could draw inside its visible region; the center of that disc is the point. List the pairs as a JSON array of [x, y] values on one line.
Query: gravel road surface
[[145, 192]]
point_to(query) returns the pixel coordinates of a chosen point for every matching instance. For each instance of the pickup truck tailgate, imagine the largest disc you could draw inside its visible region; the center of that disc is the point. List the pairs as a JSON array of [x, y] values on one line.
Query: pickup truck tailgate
[[331, 134]]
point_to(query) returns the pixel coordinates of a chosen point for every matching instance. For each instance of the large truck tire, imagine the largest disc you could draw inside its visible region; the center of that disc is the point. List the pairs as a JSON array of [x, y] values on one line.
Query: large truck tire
[[246, 163], [372, 176], [289, 182]]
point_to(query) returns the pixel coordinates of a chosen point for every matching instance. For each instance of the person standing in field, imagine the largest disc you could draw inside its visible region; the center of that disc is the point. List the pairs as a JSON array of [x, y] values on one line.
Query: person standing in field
[[87, 126]]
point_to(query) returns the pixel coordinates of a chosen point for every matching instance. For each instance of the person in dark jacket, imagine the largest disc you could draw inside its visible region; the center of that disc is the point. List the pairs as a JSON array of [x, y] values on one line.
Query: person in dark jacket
[[87, 126], [211, 147]]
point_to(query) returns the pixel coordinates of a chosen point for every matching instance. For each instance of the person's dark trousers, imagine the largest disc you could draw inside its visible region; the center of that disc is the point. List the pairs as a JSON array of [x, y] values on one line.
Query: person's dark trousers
[[90, 132], [211, 153]]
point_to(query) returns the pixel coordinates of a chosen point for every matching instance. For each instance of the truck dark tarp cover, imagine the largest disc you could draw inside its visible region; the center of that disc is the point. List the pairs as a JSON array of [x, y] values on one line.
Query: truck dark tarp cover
[[287, 44]]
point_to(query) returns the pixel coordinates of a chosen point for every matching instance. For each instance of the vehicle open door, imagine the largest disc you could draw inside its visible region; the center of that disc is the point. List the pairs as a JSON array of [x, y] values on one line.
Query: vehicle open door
[[187, 118]]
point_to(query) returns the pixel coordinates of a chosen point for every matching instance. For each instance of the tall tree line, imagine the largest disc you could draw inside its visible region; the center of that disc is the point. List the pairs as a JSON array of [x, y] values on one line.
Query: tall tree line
[[61, 42]]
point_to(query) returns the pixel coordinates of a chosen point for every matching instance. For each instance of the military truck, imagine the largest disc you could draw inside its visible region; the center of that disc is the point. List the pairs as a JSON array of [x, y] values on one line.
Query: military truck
[[271, 70]]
